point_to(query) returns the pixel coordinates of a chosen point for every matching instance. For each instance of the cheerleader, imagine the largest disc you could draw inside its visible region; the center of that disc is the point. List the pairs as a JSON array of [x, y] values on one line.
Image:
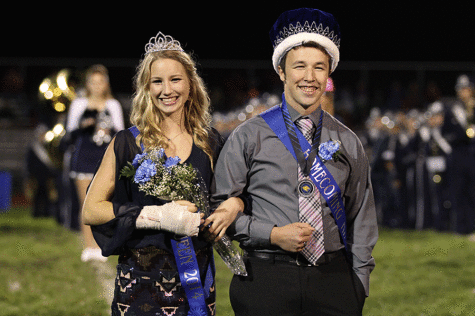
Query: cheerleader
[[92, 121]]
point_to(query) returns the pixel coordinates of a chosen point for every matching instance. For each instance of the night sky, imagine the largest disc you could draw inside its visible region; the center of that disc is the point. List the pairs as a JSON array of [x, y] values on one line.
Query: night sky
[[234, 30]]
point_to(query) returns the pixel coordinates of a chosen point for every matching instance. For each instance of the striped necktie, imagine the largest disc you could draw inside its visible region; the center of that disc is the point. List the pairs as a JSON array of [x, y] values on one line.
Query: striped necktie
[[310, 208]]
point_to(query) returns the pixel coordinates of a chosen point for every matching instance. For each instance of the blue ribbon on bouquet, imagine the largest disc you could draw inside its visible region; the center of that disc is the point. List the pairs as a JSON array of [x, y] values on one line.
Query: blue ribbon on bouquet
[[319, 174]]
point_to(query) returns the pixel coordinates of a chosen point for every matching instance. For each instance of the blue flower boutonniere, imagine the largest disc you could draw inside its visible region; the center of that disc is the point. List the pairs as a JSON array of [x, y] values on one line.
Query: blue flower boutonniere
[[329, 150]]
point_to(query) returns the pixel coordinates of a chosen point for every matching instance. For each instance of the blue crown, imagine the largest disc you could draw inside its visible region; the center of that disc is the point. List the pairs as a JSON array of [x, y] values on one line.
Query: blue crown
[[304, 25]]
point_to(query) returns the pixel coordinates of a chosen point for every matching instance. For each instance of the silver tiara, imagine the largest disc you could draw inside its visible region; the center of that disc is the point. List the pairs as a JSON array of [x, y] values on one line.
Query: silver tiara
[[308, 28], [162, 42]]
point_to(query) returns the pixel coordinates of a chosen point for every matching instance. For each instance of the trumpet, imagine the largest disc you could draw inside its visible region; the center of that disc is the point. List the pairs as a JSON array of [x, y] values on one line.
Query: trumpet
[[57, 90]]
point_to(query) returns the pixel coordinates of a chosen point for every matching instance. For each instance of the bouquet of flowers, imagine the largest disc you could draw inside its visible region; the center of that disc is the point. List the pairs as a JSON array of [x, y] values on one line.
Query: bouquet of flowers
[[166, 179]]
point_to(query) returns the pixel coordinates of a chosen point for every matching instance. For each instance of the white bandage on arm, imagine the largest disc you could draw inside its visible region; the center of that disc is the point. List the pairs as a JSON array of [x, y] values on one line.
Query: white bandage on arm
[[170, 217]]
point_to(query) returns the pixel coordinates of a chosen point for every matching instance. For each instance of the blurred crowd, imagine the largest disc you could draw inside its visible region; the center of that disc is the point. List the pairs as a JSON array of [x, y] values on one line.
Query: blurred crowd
[[422, 154], [423, 163]]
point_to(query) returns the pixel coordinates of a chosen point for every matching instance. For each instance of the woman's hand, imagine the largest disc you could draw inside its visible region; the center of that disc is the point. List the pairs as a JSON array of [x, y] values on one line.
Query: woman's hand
[[222, 217], [190, 207], [179, 218]]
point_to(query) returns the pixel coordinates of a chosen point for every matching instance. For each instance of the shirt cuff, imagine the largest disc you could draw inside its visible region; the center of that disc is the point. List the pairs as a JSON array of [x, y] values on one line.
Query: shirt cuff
[[260, 234], [251, 233], [364, 278]]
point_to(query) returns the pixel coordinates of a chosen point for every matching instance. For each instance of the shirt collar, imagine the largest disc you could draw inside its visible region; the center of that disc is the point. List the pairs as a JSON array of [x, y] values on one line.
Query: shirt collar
[[314, 116]]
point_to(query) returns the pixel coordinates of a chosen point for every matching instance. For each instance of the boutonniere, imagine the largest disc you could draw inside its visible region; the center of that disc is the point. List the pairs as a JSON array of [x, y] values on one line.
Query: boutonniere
[[329, 150]]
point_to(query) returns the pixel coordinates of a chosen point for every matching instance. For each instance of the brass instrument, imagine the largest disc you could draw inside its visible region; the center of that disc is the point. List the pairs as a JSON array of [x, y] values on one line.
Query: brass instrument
[[56, 90]]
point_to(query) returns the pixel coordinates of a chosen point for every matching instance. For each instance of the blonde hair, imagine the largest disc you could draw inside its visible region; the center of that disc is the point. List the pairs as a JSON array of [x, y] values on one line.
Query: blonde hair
[[147, 117], [102, 70]]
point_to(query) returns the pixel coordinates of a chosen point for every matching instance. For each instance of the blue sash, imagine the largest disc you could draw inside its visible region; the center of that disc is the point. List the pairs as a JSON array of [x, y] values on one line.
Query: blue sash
[[319, 173], [188, 269], [190, 275], [135, 131]]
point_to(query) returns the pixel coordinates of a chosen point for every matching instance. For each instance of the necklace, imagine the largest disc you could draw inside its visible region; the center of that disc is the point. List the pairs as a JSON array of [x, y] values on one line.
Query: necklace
[[170, 139]]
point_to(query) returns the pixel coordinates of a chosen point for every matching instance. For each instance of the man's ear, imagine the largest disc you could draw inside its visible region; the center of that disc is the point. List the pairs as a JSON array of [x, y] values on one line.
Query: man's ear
[[281, 74]]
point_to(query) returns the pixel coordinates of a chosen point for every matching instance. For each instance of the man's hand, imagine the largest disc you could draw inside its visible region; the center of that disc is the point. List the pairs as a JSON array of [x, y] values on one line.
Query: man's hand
[[291, 237], [222, 217]]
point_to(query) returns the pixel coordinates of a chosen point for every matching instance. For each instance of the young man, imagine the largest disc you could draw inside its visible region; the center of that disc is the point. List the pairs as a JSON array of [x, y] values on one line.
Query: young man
[[311, 227]]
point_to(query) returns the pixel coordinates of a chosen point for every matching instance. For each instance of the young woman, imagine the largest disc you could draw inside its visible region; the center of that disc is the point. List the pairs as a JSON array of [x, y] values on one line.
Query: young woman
[[92, 121], [170, 111]]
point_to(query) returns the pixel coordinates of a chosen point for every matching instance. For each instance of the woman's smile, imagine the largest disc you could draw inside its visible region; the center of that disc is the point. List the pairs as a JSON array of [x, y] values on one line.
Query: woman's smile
[[169, 86], [169, 101]]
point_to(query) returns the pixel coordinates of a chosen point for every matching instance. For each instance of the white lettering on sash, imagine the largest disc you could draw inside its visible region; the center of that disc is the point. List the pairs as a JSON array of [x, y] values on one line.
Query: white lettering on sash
[[184, 252], [322, 181]]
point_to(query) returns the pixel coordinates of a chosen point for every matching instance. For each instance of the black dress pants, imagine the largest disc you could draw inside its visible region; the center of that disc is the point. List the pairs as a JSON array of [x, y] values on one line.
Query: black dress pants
[[282, 288]]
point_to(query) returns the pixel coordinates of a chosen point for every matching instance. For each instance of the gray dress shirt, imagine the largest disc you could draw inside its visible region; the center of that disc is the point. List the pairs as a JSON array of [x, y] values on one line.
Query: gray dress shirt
[[256, 162]]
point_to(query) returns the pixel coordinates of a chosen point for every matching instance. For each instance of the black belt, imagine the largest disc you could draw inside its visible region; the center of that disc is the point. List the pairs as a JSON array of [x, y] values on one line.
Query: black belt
[[294, 258]]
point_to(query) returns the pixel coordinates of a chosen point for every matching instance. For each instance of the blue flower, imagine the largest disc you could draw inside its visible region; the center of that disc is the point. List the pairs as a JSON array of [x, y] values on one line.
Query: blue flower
[[329, 150], [145, 171], [172, 161], [138, 157]]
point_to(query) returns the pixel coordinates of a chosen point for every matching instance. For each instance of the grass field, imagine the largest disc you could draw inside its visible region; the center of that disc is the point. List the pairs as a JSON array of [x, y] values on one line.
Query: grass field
[[41, 272], [422, 273], [417, 273]]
